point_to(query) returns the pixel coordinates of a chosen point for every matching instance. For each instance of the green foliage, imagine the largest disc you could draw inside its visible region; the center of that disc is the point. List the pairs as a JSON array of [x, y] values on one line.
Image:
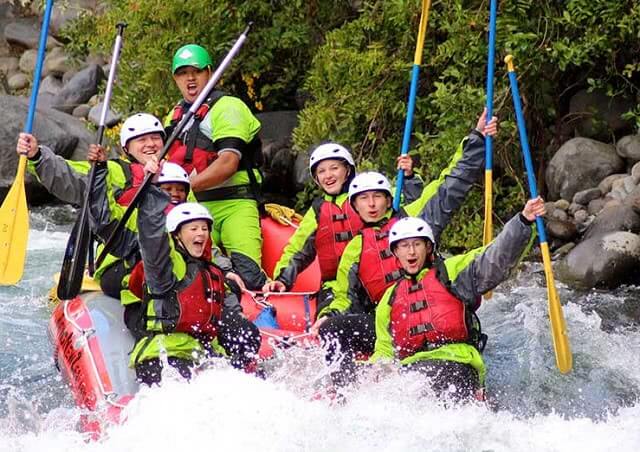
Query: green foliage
[[359, 79], [266, 73]]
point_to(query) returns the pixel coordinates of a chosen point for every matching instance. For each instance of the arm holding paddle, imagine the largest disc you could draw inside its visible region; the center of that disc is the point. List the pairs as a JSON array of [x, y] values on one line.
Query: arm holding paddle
[[66, 180]]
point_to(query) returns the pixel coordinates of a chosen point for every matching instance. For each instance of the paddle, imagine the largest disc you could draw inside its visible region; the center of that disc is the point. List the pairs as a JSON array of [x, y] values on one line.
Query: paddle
[[14, 213], [206, 91], [488, 171], [413, 90], [79, 243], [561, 346]]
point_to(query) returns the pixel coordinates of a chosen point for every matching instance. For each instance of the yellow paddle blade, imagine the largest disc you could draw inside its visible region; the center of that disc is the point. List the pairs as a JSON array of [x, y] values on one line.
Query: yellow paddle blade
[[564, 359], [487, 235], [14, 229], [88, 285]]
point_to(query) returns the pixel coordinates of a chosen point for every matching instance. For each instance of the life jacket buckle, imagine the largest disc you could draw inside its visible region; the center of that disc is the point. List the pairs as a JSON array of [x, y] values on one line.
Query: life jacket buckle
[[420, 329], [344, 236], [418, 306]]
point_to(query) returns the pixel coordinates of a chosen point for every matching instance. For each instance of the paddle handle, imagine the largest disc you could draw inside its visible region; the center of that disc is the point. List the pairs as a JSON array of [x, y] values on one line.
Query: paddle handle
[[413, 93], [42, 47], [206, 91]]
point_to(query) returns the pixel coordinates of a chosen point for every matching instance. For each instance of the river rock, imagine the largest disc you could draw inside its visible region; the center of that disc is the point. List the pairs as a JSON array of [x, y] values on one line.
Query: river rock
[[585, 196], [80, 88], [9, 65], [628, 147], [301, 170], [60, 131], [603, 261], [25, 32], [69, 75], [81, 111], [65, 12], [18, 81], [277, 124], [606, 184], [595, 206], [600, 115], [573, 208], [27, 63], [111, 120], [559, 215], [633, 200], [580, 217], [614, 218], [580, 163], [51, 84], [563, 230], [561, 204], [56, 62]]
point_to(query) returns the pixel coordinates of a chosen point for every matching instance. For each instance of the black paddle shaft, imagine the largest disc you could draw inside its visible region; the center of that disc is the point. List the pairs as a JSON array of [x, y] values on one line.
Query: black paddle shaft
[[79, 243], [215, 78]]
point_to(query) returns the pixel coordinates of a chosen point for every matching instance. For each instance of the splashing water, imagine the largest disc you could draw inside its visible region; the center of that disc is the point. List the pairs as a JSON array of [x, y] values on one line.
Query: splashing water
[[532, 407]]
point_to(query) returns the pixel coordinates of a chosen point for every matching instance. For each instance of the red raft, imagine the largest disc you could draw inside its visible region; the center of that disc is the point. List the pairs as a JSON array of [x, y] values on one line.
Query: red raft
[[91, 343]]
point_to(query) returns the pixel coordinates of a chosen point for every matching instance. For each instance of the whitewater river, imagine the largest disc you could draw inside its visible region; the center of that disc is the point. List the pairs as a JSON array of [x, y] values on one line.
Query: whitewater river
[[533, 408]]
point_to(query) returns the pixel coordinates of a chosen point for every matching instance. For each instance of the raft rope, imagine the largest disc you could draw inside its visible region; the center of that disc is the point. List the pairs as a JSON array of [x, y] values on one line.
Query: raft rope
[[83, 341]]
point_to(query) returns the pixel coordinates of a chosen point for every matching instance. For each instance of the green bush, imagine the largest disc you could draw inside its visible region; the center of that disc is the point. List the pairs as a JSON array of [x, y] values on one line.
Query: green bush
[[358, 83], [266, 73]]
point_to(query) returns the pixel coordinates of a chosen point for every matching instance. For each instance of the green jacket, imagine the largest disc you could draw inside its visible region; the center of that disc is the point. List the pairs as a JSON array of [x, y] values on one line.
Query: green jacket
[[439, 201], [467, 276]]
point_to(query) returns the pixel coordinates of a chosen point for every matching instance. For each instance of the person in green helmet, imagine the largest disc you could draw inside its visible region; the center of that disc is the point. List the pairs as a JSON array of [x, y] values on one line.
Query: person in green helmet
[[220, 149]]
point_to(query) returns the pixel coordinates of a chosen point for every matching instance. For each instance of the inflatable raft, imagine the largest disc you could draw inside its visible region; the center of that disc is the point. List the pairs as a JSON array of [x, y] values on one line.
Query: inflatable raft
[[91, 343]]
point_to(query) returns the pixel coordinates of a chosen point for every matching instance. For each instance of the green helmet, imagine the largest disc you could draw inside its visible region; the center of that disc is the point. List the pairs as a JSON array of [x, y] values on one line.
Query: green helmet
[[191, 55]]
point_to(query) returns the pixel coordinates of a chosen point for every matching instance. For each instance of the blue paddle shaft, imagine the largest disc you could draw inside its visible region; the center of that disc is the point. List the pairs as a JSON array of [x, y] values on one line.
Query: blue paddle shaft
[[408, 126], [526, 152], [42, 47], [493, 12]]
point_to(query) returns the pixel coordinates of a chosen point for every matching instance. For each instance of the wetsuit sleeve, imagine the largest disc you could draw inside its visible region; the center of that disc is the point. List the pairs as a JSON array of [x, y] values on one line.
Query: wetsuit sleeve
[[299, 252], [481, 270], [231, 125], [231, 302], [222, 261], [154, 242], [383, 349], [441, 198], [64, 179], [412, 189], [344, 279]]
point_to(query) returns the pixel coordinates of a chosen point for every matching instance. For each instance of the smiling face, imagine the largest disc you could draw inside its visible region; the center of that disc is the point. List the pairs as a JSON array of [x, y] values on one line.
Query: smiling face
[[331, 174], [143, 147], [412, 253], [176, 191], [372, 205], [190, 81], [193, 236]]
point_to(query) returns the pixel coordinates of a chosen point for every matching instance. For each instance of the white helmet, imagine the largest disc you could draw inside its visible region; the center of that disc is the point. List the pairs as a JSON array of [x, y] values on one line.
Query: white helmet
[[138, 125], [328, 151], [172, 172], [184, 213], [410, 227], [368, 181]]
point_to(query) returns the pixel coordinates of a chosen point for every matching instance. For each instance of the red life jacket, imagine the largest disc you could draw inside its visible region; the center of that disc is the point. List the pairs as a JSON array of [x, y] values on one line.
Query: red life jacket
[[134, 175], [378, 268], [194, 305], [336, 227], [193, 149], [425, 315]]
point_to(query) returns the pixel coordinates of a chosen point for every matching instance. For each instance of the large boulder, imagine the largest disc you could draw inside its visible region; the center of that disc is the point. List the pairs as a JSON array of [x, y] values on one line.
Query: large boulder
[[604, 261], [614, 218], [628, 147], [25, 32], [579, 164], [63, 133], [277, 124], [599, 115], [80, 89]]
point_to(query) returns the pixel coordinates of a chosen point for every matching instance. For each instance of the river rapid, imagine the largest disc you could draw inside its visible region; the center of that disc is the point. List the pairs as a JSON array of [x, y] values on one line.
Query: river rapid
[[532, 406]]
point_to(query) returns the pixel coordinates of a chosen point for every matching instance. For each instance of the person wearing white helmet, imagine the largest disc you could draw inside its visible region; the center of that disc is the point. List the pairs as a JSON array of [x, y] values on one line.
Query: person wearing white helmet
[[221, 151], [367, 266], [188, 308], [427, 320], [141, 137], [331, 222]]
